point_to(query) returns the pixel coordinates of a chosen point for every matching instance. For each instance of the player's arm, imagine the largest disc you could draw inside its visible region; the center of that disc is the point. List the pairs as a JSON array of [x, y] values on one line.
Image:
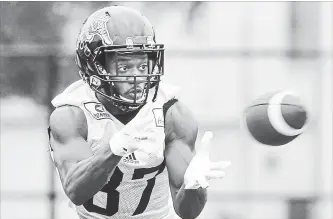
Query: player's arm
[[181, 132], [82, 173]]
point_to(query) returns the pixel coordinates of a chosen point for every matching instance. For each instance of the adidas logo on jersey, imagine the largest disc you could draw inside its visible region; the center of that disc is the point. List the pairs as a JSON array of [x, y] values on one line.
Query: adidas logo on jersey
[[131, 159]]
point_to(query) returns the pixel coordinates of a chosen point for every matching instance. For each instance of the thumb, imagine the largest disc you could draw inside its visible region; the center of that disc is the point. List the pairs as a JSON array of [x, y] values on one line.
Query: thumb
[[205, 143], [109, 130]]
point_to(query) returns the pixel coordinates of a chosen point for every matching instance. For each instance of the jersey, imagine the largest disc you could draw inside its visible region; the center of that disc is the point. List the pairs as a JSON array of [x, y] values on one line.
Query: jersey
[[139, 186]]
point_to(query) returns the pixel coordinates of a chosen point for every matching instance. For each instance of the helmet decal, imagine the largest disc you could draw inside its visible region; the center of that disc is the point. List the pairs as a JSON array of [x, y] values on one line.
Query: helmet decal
[[97, 28]]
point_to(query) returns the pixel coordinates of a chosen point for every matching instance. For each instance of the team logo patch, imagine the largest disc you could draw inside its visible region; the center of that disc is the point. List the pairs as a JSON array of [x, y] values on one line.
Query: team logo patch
[[159, 117], [97, 110]]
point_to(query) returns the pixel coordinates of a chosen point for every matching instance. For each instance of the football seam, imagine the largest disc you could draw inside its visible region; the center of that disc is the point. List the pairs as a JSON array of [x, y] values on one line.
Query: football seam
[[284, 104], [297, 106]]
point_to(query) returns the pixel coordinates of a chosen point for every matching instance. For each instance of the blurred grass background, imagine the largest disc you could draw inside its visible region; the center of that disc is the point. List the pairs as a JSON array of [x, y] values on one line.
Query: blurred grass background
[[222, 55]]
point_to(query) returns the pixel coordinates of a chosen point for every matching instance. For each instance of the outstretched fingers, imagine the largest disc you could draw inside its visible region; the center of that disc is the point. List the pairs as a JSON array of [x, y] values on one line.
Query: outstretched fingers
[[220, 165], [215, 174]]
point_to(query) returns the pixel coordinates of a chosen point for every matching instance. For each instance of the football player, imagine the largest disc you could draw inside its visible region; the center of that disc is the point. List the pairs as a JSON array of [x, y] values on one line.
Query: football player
[[122, 142]]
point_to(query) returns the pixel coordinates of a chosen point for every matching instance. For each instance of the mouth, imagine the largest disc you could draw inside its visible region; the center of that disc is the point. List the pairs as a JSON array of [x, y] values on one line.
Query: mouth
[[135, 90], [138, 91]]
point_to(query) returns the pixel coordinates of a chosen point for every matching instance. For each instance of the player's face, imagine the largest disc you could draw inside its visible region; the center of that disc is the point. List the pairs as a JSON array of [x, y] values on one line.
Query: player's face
[[128, 65]]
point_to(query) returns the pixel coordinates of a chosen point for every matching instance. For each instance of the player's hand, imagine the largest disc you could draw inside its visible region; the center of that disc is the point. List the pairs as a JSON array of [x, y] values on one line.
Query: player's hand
[[134, 136], [201, 169]]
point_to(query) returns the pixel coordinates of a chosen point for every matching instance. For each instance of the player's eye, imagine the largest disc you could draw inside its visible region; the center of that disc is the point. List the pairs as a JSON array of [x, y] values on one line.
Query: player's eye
[[122, 68], [143, 67]]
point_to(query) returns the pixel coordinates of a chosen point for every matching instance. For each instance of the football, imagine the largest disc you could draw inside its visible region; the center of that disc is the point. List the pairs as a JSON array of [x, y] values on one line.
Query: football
[[276, 118]]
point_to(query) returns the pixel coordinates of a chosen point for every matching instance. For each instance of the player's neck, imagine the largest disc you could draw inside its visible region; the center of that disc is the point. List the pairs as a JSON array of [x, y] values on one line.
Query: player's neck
[[122, 116], [115, 111], [109, 106]]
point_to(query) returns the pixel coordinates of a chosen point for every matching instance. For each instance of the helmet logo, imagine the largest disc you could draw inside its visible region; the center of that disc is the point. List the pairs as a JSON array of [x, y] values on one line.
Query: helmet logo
[[96, 28]]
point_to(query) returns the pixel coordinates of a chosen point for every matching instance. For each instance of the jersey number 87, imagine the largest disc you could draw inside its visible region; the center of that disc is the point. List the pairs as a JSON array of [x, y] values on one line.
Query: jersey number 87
[[112, 203]]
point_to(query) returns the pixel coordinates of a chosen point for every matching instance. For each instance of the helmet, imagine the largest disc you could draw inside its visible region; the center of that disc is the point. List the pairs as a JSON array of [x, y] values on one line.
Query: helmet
[[118, 30]]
